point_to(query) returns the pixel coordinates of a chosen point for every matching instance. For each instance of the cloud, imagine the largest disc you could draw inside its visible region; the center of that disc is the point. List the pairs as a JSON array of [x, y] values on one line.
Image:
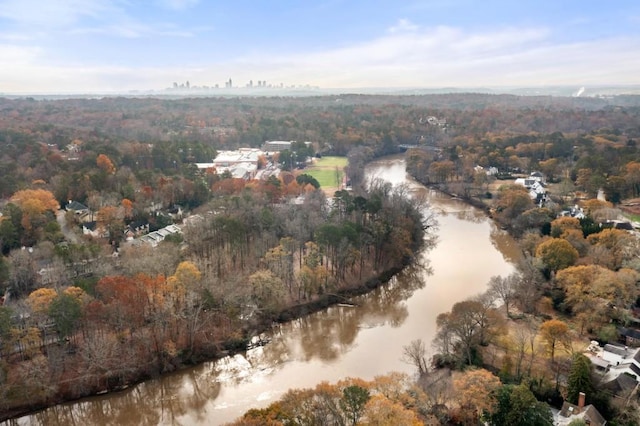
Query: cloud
[[13, 55], [100, 17], [53, 13], [179, 4], [405, 55], [409, 56], [133, 29], [403, 25]]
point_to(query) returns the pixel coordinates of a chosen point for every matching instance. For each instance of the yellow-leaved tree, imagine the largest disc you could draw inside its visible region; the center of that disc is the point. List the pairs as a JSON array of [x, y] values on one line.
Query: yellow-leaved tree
[[35, 203], [475, 392]]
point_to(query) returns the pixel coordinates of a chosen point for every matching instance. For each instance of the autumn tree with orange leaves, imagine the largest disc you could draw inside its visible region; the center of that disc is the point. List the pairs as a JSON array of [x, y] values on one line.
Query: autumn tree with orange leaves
[[105, 164], [38, 208]]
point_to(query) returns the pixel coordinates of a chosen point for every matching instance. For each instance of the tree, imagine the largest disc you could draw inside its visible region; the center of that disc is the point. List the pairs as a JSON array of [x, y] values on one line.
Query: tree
[[66, 311], [553, 332], [579, 379], [5, 322], [516, 405], [4, 274], [523, 341], [556, 253], [504, 288], [304, 179], [35, 200], [475, 391], [24, 276], [34, 203], [268, 291], [529, 286], [614, 247], [470, 323], [127, 206], [40, 300], [380, 411], [537, 219], [415, 353], [354, 399], [592, 289], [512, 201], [11, 229], [105, 164], [562, 224], [187, 274]]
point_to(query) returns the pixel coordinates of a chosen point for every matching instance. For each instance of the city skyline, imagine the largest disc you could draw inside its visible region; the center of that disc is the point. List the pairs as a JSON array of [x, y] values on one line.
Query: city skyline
[[104, 46]]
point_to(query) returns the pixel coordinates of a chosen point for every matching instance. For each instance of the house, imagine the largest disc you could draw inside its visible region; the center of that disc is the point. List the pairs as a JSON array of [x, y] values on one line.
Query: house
[[136, 229], [618, 224], [156, 237], [631, 335], [531, 179], [535, 184], [621, 386], [79, 209], [575, 211], [91, 228], [612, 361], [490, 171], [537, 176], [588, 413], [175, 212], [537, 191]]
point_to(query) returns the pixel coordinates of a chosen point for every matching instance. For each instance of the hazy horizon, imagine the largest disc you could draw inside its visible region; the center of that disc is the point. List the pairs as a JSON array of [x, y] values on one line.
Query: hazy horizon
[[558, 91], [116, 46]]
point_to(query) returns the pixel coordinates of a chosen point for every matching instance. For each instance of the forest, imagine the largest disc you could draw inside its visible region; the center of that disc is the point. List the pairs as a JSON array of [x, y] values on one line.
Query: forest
[[82, 313]]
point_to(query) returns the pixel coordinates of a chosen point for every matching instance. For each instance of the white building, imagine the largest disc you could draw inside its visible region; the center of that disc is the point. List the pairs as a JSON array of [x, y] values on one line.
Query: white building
[[534, 183], [613, 360], [277, 146], [242, 163]]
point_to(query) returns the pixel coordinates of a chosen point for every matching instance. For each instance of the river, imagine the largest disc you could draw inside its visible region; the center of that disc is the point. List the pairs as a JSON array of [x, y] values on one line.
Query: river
[[362, 341]]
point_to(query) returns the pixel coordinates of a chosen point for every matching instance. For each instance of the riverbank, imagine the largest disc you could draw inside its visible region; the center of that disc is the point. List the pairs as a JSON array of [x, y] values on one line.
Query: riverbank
[[226, 348], [136, 328], [364, 341]]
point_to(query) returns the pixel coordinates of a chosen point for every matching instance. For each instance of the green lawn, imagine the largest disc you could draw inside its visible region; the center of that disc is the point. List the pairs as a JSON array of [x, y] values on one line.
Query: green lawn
[[331, 162], [326, 178], [328, 171]]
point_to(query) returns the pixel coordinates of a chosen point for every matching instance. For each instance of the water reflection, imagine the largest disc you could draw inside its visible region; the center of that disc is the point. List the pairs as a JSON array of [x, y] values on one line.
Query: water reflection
[[361, 341], [504, 243], [166, 401]]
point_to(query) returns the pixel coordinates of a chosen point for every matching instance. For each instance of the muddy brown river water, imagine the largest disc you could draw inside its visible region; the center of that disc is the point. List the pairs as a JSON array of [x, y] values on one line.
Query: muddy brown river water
[[362, 341]]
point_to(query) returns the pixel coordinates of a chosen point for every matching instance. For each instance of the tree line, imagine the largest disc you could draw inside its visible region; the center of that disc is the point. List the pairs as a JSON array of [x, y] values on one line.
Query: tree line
[[243, 261]]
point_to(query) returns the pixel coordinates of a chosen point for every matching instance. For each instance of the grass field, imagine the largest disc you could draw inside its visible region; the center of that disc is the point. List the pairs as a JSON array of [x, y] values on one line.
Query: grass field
[[328, 171]]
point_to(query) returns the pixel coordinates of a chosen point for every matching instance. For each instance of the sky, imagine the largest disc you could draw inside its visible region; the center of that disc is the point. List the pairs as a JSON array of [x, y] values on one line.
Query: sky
[[105, 46]]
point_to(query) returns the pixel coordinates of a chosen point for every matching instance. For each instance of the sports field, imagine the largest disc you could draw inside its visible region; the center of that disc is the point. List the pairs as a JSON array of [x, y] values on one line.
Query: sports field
[[328, 171]]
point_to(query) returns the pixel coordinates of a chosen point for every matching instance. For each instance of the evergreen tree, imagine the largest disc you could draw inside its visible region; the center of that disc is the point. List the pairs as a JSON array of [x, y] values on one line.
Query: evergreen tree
[[517, 406], [579, 378]]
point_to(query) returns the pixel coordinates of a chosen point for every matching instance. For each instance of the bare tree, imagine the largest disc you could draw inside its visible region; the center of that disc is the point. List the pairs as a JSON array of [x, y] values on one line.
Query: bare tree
[[438, 387], [523, 338], [24, 277], [415, 353], [528, 288], [504, 288]]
